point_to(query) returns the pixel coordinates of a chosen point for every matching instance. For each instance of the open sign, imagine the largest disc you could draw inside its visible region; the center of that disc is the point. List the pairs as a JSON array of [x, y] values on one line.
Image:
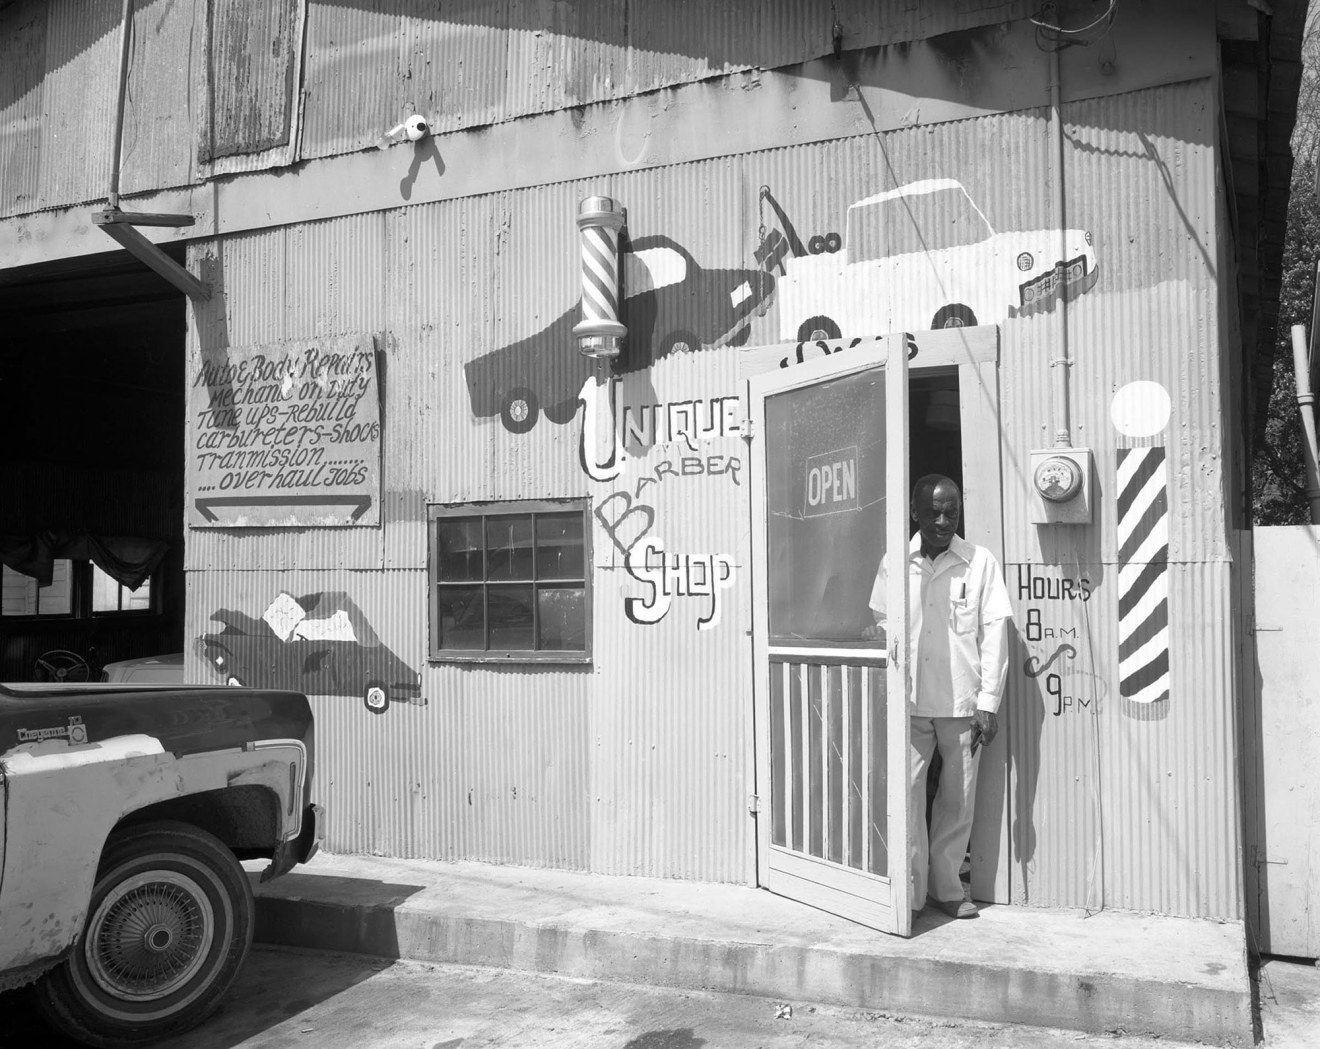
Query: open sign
[[831, 482]]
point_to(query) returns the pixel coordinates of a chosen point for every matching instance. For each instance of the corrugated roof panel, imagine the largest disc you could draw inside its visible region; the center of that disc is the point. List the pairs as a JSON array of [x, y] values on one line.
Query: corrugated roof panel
[[477, 63], [22, 64], [159, 144], [254, 46], [78, 100]]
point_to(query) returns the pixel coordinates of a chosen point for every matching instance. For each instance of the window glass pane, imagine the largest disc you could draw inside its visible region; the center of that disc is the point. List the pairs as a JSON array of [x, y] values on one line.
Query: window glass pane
[[138, 600], [562, 618], [461, 617], [18, 596], [458, 542], [825, 502], [57, 599], [559, 548], [509, 547], [105, 591], [510, 610]]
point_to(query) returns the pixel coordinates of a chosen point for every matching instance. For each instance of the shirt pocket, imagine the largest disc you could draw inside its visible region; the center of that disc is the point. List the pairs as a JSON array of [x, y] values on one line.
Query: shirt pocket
[[962, 616]]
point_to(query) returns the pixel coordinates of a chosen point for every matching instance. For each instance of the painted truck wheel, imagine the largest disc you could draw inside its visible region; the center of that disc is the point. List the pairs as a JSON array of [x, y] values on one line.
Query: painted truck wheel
[[520, 410], [955, 316], [681, 341], [816, 328], [376, 698], [169, 925]]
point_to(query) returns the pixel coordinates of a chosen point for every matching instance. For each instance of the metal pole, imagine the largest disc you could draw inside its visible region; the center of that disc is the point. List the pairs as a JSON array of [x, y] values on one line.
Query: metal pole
[[125, 39], [1306, 407]]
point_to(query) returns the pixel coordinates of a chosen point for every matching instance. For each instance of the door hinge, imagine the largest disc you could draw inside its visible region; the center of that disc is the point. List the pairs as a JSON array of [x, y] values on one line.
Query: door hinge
[[748, 428], [753, 803]]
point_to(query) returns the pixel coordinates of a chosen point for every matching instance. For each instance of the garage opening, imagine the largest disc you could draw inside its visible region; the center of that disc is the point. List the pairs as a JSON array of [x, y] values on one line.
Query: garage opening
[[91, 480]]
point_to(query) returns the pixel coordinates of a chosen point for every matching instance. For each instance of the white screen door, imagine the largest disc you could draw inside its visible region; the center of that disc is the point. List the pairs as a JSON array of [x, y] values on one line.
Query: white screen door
[[829, 497]]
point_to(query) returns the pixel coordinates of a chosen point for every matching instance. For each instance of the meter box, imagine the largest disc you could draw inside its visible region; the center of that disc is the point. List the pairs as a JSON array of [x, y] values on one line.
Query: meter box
[[1061, 486]]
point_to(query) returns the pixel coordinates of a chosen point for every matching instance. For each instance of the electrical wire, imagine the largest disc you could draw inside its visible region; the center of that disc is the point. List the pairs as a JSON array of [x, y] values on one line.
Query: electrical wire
[[1061, 37]]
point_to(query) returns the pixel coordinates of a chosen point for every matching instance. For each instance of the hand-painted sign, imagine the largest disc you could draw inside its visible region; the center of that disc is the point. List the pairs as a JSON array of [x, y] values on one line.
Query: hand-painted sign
[[286, 434]]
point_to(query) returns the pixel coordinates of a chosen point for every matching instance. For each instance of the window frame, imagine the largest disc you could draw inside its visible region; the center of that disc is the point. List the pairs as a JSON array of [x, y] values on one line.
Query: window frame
[[496, 509], [82, 599]]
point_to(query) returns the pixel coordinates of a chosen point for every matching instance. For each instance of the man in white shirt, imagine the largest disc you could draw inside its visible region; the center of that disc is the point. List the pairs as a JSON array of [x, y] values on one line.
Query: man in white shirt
[[958, 615]]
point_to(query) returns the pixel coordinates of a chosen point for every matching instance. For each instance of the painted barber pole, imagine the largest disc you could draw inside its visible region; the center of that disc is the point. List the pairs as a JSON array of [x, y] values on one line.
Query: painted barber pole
[[1141, 410], [599, 333]]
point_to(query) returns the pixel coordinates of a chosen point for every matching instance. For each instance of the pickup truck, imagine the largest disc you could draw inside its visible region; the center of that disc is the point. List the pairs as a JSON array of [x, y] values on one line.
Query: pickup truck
[[124, 814]]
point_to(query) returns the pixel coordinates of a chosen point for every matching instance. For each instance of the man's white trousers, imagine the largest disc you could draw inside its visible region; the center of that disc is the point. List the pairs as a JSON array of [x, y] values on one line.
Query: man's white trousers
[[940, 857]]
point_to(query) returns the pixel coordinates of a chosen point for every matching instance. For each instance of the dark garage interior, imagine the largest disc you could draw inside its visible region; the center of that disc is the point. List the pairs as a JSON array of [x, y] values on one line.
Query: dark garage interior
[[91, 411]]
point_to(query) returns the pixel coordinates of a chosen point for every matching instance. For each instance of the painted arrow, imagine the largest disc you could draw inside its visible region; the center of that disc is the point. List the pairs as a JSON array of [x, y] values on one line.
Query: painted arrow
[[362, 502]]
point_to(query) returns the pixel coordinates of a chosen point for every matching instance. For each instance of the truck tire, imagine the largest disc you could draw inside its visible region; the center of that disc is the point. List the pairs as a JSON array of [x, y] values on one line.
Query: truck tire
[[169, 925]]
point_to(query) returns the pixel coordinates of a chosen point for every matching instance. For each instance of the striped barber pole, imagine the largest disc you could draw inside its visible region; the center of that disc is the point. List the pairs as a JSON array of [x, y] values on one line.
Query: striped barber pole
[[1143, 574], [599, 332], [600, 273]]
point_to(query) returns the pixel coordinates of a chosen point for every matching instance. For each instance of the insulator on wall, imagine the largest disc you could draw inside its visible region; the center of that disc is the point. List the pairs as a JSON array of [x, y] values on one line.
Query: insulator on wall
[[599, 333]]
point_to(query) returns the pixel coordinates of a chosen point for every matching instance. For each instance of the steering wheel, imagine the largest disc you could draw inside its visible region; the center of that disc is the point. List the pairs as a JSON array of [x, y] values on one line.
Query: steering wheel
[[59, 664]]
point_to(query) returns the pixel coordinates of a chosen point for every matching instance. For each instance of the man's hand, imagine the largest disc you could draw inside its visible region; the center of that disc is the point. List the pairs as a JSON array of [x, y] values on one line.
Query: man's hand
[[985, 726], [874, 632]]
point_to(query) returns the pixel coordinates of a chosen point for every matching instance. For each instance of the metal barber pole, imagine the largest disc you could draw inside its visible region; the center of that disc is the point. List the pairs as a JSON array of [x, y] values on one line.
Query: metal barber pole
[[599, 333]]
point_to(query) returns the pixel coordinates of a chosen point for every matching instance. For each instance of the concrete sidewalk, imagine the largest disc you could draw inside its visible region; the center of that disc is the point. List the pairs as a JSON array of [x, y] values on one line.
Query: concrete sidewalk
[[1113, 971]]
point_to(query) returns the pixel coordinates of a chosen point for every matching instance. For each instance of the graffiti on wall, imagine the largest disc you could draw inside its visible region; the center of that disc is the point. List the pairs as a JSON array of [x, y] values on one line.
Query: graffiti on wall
[[318, 643]]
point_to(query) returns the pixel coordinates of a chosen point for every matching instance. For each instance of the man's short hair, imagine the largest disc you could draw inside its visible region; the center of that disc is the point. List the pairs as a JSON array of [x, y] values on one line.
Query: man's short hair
[[929, 482]]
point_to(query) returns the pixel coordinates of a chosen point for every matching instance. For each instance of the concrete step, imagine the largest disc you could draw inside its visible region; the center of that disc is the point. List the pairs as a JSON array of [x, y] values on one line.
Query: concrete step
[[1110, 971]]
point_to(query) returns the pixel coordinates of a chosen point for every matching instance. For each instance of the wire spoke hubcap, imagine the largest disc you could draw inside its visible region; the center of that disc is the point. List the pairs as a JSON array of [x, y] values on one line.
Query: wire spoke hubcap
[[150, 935]]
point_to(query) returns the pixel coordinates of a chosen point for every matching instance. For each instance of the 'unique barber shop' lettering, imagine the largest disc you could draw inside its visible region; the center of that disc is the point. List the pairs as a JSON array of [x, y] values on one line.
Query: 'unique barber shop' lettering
[[668, 576]]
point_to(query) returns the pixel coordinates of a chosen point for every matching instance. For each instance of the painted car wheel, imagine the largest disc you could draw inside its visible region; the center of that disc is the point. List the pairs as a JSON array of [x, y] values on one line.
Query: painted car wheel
[[955, 316], [376, 698], [682, 341], [170, 923], [816, 328], [520, 410]]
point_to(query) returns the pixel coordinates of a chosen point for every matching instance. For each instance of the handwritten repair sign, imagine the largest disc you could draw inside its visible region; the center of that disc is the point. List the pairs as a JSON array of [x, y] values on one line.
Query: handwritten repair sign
[[286, 435]]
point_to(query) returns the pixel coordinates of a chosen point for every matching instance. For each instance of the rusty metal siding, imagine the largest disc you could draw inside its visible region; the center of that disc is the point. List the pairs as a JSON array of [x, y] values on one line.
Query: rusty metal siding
[[482, 64], [78, 101], [252, 59], [159, 136]]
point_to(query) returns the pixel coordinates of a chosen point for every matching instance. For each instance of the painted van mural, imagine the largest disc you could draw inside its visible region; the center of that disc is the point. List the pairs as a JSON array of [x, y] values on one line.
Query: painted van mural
[[671, 305], [925, 256], [320, 644]]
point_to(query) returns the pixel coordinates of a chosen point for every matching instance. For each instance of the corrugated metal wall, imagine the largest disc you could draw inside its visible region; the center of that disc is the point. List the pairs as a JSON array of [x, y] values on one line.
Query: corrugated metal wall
[[335, 76], [1112, 804]]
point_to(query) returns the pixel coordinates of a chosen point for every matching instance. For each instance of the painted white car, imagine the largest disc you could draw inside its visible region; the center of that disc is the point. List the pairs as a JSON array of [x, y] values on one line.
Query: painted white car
[[924, 256]]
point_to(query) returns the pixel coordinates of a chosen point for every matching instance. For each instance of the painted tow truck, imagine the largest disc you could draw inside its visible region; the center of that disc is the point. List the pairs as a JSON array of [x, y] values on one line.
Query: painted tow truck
[[924, 256], [670, 305], [124, 813]]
